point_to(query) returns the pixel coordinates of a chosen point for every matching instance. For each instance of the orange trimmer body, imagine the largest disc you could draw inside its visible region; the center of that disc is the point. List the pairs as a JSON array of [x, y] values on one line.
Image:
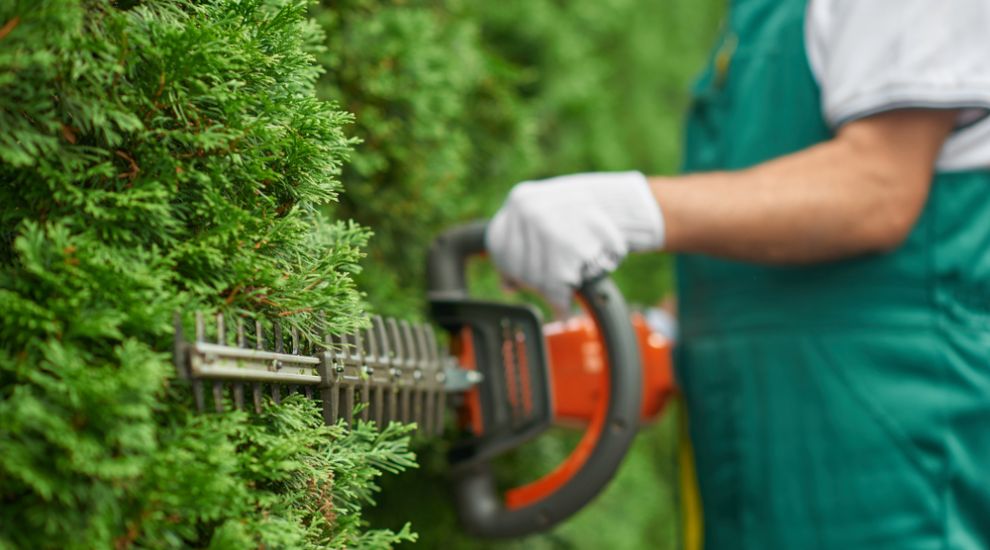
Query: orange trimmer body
[[579, 376]]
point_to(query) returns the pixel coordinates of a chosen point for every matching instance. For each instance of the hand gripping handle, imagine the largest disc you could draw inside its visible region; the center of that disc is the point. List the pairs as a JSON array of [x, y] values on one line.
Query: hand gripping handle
[[555, 497]]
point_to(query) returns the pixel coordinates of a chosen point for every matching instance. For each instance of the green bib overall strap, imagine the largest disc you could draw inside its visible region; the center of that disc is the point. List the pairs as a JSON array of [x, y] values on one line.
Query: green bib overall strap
[[843, 405]]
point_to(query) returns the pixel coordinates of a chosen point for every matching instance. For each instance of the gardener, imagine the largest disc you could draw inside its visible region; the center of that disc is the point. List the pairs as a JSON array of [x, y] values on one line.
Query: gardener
[[833, 232]]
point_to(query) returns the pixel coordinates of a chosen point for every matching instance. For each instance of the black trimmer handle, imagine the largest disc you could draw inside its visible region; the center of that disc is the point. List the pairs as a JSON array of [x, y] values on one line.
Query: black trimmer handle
[[447, 263], [481, 508]]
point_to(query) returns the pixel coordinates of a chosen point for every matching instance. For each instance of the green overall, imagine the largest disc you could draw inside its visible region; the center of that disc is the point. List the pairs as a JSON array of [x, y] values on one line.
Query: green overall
[[843, 405]]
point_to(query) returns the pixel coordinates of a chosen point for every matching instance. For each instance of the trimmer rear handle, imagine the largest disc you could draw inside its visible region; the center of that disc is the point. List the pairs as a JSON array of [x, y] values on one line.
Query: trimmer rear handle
[[539, 505]]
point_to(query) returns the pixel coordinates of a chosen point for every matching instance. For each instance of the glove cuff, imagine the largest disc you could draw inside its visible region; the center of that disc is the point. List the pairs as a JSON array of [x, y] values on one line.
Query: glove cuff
[[636, 211]]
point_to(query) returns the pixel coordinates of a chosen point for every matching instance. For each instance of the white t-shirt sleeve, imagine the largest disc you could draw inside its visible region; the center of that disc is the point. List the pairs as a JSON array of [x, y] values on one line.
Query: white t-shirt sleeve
[[871, 56]]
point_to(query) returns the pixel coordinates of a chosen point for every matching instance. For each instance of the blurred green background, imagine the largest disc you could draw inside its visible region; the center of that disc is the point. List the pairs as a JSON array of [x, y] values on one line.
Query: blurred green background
[[455, 101]]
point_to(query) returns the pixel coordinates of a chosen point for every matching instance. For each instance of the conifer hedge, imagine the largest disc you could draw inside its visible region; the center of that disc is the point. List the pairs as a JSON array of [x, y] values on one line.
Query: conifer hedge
[[160, 156], [442, 128]]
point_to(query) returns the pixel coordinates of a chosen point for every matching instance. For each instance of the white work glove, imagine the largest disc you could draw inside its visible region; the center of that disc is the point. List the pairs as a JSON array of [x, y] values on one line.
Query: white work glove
[[554, 234]]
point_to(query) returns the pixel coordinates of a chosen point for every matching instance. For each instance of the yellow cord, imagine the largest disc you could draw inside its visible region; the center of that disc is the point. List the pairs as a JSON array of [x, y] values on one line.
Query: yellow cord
[[691, 510]]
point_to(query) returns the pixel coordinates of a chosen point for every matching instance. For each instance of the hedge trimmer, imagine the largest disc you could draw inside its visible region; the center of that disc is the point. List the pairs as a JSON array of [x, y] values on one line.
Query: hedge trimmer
[[507, 375]]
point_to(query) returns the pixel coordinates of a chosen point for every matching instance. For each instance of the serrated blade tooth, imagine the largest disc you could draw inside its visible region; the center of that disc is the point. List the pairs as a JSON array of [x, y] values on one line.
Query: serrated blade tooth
[[366, 372], [408, 373], [395, 369], [237, 386], [276, 391], [259, 344], [379, 364], [436, 381], [420, 402], [197, 385], [294, 336], [217, 386], [349, 404]]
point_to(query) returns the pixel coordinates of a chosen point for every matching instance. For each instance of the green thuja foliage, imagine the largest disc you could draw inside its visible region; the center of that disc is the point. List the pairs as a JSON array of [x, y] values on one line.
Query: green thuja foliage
[[158, 156], [439, 123]]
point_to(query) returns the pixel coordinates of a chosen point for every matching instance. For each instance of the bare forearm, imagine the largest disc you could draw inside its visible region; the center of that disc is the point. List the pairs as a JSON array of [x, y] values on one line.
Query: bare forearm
[[843, 198], [803, 208]]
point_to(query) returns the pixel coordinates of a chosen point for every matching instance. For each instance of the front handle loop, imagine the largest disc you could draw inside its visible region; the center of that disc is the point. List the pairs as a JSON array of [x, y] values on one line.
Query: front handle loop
[[481, 508]]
